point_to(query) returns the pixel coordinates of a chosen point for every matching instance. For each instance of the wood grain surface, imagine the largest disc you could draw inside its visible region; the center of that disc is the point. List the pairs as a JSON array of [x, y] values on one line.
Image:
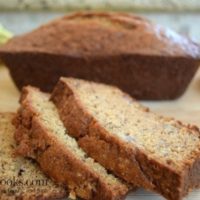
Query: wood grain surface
[[186, 108]]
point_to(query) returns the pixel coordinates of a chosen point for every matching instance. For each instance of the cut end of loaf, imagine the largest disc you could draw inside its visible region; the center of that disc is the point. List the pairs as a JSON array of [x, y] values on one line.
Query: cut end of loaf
[[21, 178]]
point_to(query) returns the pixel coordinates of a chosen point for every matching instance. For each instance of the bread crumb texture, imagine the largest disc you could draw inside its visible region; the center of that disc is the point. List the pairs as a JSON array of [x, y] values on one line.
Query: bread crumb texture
[[50, 118], [163, 138], [19, 177]]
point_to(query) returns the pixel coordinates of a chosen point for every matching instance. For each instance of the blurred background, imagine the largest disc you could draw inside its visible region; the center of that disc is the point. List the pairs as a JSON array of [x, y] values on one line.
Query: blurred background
[[20, 16]]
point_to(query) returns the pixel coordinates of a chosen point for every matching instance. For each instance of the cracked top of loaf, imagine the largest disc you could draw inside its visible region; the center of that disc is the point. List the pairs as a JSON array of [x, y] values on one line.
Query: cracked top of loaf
[[99, 34]]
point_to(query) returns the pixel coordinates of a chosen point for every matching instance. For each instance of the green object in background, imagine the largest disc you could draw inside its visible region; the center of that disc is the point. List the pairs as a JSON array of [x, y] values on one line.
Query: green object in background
[[4, 35]]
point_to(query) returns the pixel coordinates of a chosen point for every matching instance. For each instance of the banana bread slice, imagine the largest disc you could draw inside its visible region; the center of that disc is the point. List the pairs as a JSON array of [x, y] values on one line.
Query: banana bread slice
[[42, 136], [21, 178], [141, 147], [114, 48]]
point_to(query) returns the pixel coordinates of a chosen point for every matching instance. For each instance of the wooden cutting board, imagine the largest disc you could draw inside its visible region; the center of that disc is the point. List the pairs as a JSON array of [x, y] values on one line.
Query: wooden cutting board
[[186, 108], [9, 95]]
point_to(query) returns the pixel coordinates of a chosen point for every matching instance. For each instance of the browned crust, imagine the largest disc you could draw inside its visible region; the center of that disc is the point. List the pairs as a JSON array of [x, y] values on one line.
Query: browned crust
[[126, 72], [56, 160], [123, 159], [47, 195], [139, 73], [154, 37]]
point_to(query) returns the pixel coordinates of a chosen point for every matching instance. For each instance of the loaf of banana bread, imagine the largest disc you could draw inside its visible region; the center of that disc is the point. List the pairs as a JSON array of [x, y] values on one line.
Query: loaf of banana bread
[[21, 179], [42, 136], [145, 60], [154, 152]]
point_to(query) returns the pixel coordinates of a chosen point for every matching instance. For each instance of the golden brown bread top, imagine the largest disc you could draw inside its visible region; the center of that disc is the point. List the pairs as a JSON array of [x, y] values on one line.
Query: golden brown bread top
[[103, 34]]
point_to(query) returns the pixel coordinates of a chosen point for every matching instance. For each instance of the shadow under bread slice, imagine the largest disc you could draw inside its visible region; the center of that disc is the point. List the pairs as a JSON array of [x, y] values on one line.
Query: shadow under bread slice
[[42, 136], [21, 178], [154, 152]]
